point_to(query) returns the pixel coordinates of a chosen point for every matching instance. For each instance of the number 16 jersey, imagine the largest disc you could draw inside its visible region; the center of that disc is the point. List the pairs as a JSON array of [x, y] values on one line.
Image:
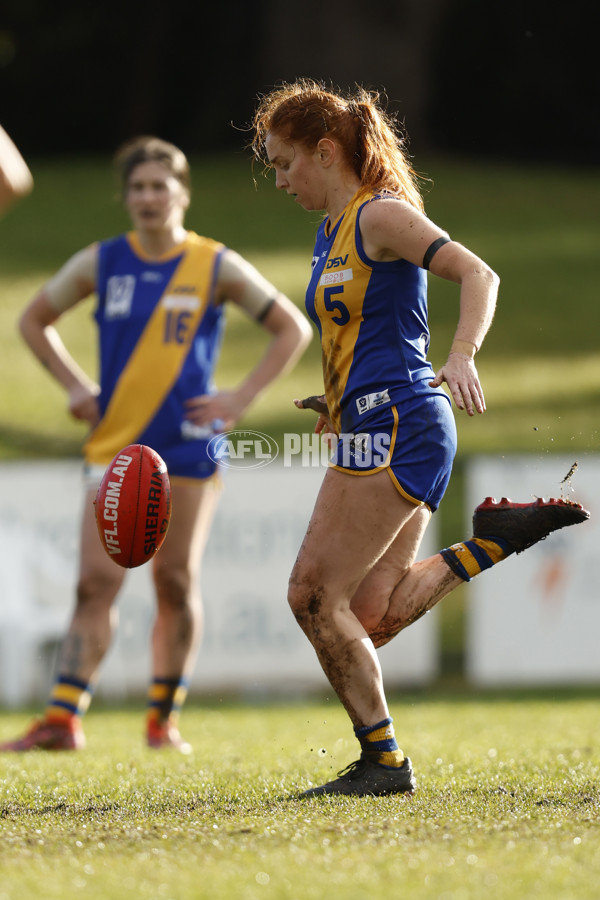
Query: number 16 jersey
[[159, 338]]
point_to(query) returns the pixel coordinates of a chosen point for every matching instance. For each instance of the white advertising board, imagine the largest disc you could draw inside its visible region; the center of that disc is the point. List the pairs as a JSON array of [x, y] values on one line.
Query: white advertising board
[[534, 619], [251, 642]]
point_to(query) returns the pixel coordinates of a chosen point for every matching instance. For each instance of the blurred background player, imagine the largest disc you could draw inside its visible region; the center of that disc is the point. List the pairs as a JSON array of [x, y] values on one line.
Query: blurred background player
[[161, 293], [15, 178], [355, 583]]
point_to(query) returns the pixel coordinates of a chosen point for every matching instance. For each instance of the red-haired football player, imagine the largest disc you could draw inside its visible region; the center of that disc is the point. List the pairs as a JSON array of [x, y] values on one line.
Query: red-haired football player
[[355, 583]]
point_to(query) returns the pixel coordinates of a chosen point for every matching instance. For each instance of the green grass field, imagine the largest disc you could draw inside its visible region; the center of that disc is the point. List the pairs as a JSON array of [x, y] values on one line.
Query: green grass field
[[507, 807]]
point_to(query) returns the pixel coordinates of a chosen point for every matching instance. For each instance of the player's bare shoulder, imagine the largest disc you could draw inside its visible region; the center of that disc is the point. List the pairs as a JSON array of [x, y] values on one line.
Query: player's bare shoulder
[[84, 266], [387, 210], [75, 280], [391, 228], [240, 282], [233, 269]]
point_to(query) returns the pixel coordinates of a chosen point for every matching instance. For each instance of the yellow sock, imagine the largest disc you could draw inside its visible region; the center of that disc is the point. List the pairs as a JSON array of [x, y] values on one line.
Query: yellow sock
[[69, 697], [379, 743], [469, 558]]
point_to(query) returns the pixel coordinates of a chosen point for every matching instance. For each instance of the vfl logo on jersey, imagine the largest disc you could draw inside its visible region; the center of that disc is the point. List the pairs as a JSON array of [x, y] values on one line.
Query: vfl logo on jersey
[[371, 401], [338, 277], [119, 294]]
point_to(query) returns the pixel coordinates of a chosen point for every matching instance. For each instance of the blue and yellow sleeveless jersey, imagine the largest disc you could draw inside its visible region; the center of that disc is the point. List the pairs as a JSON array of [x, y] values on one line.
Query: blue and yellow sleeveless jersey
[[372, 318], [159, 338]]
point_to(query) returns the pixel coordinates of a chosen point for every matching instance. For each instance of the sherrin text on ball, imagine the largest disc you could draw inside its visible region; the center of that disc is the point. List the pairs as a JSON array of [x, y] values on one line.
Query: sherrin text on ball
[[133, 505]]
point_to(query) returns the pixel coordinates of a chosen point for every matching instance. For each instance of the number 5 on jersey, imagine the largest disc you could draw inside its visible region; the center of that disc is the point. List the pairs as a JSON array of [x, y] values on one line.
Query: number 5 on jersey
[[337, 306]]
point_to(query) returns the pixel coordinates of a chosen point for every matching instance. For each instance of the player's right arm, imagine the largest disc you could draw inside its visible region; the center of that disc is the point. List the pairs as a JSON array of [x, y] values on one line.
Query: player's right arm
[[75, 281], [15, 178]]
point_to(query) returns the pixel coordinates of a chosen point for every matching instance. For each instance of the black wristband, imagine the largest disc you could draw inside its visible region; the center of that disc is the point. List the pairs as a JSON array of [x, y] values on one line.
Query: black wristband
[[433, 249]]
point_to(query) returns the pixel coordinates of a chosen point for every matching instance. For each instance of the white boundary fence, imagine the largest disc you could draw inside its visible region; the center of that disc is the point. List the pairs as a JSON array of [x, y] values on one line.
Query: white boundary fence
[[252, 642]]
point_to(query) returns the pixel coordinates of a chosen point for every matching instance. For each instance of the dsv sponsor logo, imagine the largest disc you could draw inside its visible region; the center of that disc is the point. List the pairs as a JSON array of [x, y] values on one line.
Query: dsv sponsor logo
[[242, 449], [336, 262]]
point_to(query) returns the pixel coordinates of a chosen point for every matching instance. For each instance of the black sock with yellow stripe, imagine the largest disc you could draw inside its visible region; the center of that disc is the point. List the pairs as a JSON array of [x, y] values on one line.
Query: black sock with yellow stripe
[[469, 558], [166, 697], [378, 743]]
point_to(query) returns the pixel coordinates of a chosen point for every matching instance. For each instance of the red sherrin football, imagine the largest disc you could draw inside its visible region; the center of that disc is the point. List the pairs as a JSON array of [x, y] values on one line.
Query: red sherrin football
[[133, 506]]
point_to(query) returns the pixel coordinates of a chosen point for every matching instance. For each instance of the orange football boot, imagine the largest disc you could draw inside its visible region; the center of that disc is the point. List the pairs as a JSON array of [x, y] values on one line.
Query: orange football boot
[[49, 734], [165, 735]]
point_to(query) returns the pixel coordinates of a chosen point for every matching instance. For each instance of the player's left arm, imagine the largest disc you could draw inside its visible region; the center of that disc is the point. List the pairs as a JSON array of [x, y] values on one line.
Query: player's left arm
[[241, 283], [392, 229]]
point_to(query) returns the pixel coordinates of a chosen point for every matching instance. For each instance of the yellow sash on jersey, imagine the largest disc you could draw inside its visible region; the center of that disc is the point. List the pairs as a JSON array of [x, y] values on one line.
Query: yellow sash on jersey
[[158, 357], [339, 298]]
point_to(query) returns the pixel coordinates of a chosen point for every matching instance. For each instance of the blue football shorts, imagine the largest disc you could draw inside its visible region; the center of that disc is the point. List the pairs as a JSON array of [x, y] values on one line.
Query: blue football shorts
[[414, 441]]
